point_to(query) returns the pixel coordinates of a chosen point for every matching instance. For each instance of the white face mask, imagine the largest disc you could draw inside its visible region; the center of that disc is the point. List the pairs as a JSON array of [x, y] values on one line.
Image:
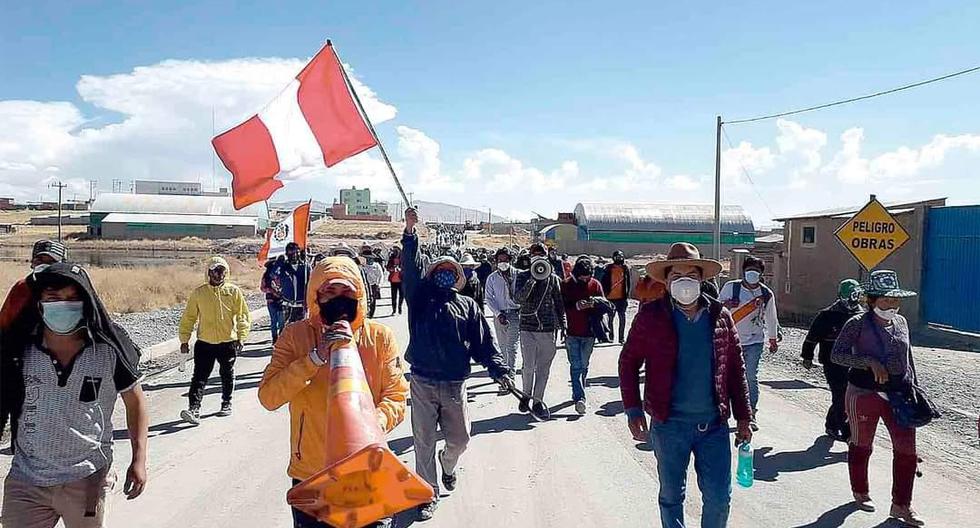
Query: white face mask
[[752, 276], [887, 315], [503, 266], [685, 290]]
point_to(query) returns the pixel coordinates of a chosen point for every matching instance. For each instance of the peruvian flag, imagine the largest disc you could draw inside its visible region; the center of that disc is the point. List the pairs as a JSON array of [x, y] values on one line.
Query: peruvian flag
[[293, 228], [313, 123]]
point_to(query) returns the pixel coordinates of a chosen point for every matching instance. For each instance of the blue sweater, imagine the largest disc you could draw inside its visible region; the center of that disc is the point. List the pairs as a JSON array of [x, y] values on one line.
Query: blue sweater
[[693, 393]]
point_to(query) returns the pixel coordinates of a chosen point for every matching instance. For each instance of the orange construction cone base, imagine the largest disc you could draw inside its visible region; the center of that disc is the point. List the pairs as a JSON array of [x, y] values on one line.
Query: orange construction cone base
[[363, 488]]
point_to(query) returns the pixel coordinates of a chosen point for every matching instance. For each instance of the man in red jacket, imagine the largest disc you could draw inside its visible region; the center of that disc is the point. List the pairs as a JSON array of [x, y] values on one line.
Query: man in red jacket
[[580, 293], [695, 381]]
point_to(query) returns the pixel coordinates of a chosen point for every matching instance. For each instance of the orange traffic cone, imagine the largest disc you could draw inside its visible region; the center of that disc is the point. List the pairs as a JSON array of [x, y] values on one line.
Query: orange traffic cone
[[363, 481]]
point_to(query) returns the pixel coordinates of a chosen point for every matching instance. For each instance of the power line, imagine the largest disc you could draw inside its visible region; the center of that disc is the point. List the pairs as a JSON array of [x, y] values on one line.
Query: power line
[[746, 172], [854, 99]]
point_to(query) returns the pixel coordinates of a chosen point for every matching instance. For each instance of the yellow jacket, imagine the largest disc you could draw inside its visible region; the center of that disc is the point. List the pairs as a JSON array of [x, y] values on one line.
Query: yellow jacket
[[292, 377], [219, 312]]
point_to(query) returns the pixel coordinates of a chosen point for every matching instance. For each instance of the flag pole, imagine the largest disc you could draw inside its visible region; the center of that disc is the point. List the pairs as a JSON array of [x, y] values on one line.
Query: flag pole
[[367, 120]]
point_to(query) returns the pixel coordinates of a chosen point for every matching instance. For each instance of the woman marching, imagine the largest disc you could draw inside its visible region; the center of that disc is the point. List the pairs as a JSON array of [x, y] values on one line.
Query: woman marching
[[876, 347]]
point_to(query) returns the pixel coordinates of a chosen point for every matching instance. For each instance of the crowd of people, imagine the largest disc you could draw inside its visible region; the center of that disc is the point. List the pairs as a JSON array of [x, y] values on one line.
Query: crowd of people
[[698, 346]]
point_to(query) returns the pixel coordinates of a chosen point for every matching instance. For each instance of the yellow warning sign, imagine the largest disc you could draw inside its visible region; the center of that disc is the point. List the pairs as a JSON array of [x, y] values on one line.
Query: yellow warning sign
[[872, 234]]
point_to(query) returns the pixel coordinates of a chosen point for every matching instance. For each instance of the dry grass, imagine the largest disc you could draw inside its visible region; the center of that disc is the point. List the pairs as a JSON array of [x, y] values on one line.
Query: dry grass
[[358, 229], [497, 241], [141, 289], [23, 216]]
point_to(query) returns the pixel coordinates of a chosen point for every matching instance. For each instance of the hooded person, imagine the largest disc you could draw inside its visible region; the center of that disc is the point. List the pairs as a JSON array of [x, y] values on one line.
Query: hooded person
[[299, 372], [824, 329], [19, 296], [446, 331], [294, 275], [61, 417], [219, 311], [580, 294]]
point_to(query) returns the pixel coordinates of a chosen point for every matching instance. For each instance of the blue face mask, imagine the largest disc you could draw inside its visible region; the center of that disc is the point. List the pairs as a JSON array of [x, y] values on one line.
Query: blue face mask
[[62, 317], [444, 278], [468, 272]]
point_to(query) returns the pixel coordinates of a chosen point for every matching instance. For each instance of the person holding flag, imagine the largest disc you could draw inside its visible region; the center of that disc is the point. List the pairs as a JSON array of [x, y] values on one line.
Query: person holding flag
[[753, 308]]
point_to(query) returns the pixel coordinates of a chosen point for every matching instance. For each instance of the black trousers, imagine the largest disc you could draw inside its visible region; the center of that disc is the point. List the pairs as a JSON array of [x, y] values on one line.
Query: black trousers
[[397, 298], [620, 306], [205, 354], [837, 416], [291, 314], [373, 301]]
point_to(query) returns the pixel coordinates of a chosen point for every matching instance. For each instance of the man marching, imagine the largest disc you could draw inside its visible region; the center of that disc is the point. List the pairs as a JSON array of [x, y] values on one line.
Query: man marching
[[753, 307], [299, 371], [446, 330], [220, 313]]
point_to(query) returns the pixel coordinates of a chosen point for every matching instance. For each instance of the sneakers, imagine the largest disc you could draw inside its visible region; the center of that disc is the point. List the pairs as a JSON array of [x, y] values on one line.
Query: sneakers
[[448, 479], [540, 411], [502, 391], [580, 407], [524, 407], [427, 511], [225, 409], [863, 502], [753, 425], [906, 515], [192, 415]]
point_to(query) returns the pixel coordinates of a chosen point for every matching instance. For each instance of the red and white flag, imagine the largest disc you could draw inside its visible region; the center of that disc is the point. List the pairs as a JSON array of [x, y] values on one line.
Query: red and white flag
[[313, 123], [293, 228]]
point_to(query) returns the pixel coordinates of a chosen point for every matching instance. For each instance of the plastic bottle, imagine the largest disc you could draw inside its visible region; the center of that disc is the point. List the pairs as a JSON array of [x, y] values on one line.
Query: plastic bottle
[[745, 474]]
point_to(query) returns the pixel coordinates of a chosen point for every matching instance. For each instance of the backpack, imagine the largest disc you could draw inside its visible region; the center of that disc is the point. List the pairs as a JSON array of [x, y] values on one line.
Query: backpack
[[737, 294]]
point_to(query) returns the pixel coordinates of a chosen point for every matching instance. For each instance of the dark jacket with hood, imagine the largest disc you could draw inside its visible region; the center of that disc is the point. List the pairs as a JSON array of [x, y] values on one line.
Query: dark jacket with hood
[[825, 328], [15, 340], [446, 328], [293, 281]]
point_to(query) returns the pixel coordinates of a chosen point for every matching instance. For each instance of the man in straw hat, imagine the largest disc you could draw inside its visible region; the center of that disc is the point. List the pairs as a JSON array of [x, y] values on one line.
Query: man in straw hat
[[695, 381]]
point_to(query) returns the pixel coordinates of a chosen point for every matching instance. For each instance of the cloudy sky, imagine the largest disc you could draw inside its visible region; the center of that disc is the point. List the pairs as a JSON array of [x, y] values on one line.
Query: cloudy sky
[[511, 106]]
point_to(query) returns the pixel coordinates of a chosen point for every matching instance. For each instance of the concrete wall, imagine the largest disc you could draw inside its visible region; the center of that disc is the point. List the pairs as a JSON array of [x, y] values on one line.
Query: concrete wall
[[123, 231], [809, 276]]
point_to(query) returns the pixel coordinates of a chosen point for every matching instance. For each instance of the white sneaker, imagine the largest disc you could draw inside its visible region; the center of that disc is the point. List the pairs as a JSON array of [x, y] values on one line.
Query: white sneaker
[[192, 416]]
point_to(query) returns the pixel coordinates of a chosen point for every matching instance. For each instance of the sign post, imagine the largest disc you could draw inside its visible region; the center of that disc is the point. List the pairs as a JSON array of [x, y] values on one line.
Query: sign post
[[872, 234]]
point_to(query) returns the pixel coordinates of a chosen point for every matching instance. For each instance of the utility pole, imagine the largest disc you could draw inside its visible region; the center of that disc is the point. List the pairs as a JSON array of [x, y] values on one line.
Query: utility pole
[[60, 186], [717, 237], [91, 190]]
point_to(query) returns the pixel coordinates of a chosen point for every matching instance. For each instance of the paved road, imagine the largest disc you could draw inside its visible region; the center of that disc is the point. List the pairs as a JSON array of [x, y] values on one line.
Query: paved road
[[572, 471]]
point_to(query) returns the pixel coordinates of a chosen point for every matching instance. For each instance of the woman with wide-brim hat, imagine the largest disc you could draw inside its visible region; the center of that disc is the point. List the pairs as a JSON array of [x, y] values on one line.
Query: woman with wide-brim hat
[[877, 348]]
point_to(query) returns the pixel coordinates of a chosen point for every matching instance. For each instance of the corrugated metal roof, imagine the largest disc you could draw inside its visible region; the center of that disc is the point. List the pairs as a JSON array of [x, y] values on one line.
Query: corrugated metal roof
[[154, 218], [848, 211], [677, 218], [172, 204]]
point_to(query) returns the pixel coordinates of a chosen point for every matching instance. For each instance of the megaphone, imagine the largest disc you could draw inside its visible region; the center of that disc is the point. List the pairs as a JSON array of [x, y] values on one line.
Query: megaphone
[[541, 268]]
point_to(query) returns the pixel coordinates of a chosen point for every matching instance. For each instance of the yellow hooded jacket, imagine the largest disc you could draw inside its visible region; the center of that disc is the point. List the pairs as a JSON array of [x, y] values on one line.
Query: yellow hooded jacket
[[219, 312], [292, 376]]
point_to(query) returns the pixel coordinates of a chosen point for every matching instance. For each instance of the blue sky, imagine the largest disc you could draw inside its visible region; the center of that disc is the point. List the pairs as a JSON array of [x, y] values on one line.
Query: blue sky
[[514, 105]]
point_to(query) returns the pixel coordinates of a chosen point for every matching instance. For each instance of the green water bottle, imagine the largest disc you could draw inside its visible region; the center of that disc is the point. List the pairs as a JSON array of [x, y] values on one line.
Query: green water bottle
[[745, 474]]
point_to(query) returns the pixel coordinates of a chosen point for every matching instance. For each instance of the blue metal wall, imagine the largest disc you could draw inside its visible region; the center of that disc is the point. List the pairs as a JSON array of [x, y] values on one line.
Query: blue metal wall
[[951, 261]]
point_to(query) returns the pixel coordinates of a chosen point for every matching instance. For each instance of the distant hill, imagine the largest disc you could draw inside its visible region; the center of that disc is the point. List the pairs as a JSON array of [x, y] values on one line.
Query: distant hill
[[448, 213]]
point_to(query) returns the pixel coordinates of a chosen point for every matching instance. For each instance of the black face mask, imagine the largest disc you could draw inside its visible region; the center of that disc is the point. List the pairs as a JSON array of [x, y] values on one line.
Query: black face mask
[[618, 260], [340, 308]]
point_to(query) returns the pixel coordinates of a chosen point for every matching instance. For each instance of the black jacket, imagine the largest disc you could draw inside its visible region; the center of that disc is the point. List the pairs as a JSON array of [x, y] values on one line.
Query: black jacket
[[825, 328], [474, 290], [446, 328], [14, 341], [607, 279], [599, 322]]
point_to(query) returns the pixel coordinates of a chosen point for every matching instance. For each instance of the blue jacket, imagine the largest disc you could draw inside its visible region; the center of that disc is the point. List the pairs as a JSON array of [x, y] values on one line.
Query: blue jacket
[[293, 282], [446, 328]]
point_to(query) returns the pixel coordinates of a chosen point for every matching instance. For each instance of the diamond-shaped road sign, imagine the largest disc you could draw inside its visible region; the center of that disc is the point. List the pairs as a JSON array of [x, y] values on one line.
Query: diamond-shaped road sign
[[872, 234]]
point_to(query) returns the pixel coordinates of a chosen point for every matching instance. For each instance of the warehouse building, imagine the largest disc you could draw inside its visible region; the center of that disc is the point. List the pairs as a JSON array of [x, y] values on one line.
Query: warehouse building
[[153, 216], [649, 229]]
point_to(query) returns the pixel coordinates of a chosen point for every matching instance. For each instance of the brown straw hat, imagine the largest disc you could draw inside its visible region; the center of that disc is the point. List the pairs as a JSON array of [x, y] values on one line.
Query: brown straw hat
[[682, 253]]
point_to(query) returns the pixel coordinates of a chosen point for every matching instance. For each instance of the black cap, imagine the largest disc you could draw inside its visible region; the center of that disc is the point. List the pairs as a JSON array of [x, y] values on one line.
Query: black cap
[[51, 248]]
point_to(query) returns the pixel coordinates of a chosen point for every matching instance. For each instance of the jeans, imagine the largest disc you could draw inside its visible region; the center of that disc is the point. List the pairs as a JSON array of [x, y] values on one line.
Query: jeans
[[864, 409], [508, 337], [673, 444], [439, 404], [579, 351], [276, 321], [836, 416], [620, 306], [752, 354], [538, 349], [205, 355], [302, 520]]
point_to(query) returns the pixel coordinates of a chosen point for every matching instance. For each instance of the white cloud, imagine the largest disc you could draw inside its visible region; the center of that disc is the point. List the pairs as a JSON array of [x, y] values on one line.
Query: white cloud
[[683, 182], [847, 165], [735, 162], [500, 173]]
